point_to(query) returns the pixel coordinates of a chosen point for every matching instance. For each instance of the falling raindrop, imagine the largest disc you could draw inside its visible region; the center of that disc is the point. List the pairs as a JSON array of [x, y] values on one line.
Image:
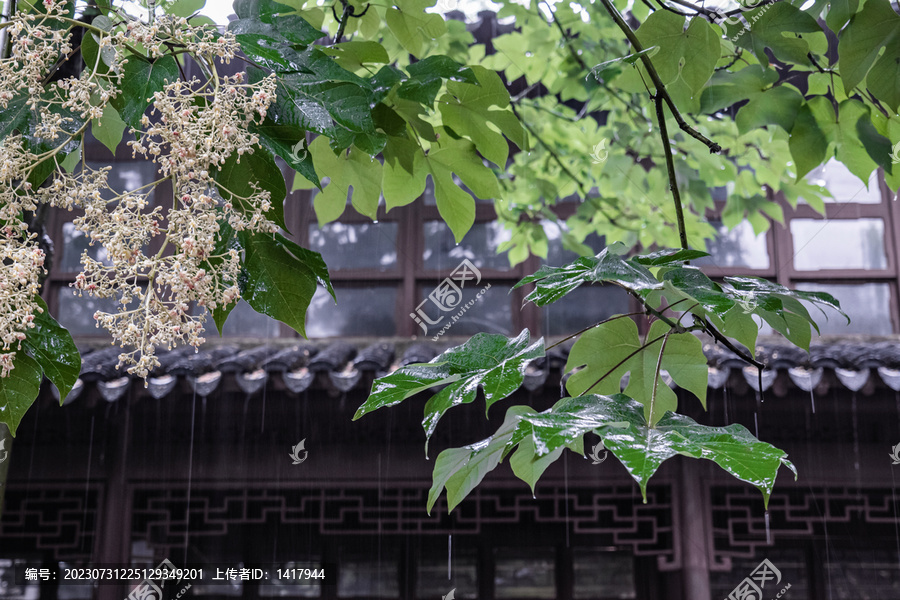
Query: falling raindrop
[[449, 554], [87, 477], [756, 423], [187, 518], [768, 529], [566, 497], [855, 440]]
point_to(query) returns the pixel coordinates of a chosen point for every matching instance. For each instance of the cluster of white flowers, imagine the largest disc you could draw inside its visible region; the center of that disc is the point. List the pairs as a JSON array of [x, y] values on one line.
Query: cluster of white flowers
[[35, 46], [160, 263]]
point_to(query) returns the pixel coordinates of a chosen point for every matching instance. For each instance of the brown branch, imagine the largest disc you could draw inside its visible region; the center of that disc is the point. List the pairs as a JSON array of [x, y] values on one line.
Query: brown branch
[[670, 167], [714, 148]]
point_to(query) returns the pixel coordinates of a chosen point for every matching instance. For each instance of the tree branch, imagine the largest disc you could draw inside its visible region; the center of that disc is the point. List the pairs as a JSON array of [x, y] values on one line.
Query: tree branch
[[714, 148], [670, 167]]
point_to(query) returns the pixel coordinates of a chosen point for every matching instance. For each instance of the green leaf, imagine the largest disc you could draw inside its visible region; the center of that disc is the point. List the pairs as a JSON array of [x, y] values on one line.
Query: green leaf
[[874, 28], [468, 108], [53, 348], [728, 88], [878, 147], [461, 469], [109, 128], [611, 68], [690, 54], [238, 175], [183, 8], [609, 351], [279, 278], [427, 76], [668, 256], [404, 178], [351, 168], [143, 80], [492, 362], [356, 55], [552, 283], [780, 27], [620, 423], [411, 25], [839, 12], [288, 142], [776, 106], [807, 142], [18, 390], [528, 465], [264, 31]]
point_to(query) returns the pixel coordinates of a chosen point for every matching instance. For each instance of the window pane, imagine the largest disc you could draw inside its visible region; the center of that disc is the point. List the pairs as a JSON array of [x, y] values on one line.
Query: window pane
[[127, 176], [557, 255], [356, 245], [432, 579], [524, 573], [364, 576], [838, 244], [360, 311], [844, 185], [584, 306], [243, 321], [863, 573], [867, 304], [603, 574], [490, 313], [738, 247], [428, 194], [479, 246], [77, 313], [74, 244]]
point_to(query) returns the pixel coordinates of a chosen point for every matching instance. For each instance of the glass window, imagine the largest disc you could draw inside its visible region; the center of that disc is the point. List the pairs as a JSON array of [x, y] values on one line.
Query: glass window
[[867, 304], [243, 321], [127, 176], [432, 581], [525, 573], [363, 310], [863, 573], [77, 313], [844, 185], [838, 244], [738, 247], [480, 245], [603, 574], [489, 311], [356, 245], [558, 256], [366, 576], [586, 305], [75, 243]]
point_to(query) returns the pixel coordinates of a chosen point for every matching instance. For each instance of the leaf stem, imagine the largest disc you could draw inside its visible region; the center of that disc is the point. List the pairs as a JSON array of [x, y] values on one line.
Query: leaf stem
[[650, 421]]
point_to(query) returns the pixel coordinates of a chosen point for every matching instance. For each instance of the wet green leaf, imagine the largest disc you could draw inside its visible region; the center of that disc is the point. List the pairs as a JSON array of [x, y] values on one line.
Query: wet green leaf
[[18, 390], [492, 362], [53, 348], [144, 79]]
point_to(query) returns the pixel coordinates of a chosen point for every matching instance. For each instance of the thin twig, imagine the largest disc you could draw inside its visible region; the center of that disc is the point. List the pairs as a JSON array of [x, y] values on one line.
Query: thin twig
[[589, 327], [670, 167], [714, 148]]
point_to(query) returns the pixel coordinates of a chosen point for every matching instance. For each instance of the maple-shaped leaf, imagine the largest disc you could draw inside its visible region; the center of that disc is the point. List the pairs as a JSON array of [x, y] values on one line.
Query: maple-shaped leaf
[[492, 362]]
